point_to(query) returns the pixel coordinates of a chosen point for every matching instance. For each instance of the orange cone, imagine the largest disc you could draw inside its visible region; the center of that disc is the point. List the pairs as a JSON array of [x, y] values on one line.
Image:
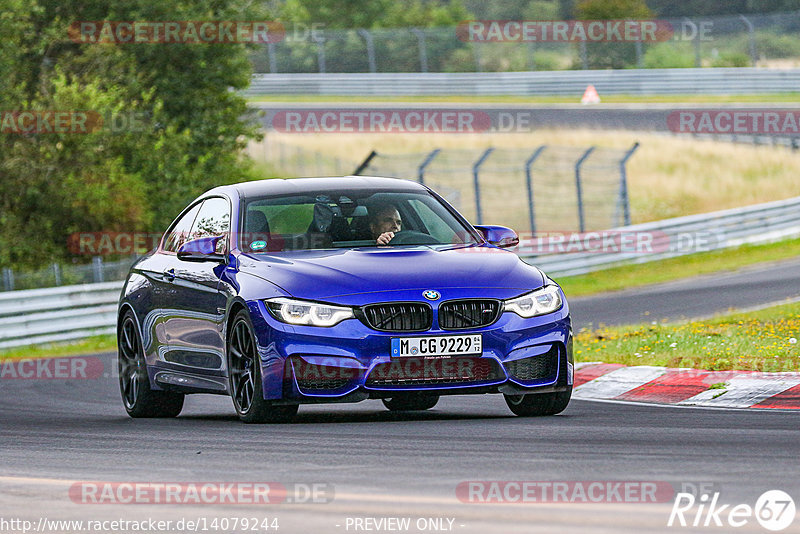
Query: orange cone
[[590, 96]]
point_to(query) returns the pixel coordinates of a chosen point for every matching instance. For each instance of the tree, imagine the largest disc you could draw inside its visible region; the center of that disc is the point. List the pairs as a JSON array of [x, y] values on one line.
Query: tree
[[615, 55], [189, 136]]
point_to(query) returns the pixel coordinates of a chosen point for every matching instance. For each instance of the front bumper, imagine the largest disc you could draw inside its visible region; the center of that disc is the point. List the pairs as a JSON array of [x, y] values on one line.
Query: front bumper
[[351, 362]]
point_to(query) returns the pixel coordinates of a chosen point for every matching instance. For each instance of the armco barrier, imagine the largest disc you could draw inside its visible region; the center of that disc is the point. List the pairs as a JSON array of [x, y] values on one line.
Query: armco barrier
[[716, 81], [761, 223], [73, 312], [35, 316]]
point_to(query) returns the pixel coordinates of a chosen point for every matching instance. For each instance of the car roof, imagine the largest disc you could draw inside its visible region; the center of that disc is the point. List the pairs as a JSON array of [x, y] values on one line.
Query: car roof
[[278, 186]]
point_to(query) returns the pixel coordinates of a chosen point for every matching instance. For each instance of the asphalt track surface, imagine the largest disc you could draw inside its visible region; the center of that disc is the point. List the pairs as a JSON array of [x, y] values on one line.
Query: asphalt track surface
[[699, 297], [376, 464], [381, 464]]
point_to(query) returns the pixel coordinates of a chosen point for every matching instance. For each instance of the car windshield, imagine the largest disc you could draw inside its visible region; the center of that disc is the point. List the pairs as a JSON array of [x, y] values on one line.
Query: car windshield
[[349, 219]]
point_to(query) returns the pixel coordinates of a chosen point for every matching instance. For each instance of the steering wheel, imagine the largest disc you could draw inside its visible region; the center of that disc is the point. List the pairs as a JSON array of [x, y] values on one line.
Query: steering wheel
[[412, 237]]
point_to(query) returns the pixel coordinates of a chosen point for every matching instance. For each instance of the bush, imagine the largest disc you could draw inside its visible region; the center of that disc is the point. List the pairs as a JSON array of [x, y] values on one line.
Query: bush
[[547, 60], [771, 45], [666, 56], [732, 59]]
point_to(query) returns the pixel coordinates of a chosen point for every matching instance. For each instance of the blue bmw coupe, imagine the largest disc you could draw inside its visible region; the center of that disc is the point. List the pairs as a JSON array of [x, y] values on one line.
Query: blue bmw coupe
[[317, 290]]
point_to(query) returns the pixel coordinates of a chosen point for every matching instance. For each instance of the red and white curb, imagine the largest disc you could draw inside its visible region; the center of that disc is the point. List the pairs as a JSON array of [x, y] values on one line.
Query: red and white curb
[[687, 387]]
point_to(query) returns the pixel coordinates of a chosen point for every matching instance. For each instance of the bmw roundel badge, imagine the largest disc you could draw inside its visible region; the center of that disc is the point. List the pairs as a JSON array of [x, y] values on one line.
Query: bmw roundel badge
[[430, 294]]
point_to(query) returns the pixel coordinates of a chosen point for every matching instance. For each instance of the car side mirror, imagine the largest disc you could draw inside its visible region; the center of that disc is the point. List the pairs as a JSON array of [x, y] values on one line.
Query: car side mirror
[[499, 236], [201, 249]]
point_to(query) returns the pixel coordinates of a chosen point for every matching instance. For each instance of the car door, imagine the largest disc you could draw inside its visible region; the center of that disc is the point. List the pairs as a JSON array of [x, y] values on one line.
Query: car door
[[194, 303], [153, 269]]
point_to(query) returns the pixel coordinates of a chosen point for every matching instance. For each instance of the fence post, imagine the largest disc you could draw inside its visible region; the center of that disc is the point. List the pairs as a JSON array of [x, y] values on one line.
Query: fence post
[[367, 36], [320, 167], [273, 61], [300, 160], [697, 58], [624, 201], [475, 170], [282, 156], [530, 58], [425, 163], [529, 183], [320, 40], [97, 269], [8, 279], [578, 188], [57, 273], [639, 54], [476, 52], [752, 38], [365, 163], [423, 49], [584, 56]]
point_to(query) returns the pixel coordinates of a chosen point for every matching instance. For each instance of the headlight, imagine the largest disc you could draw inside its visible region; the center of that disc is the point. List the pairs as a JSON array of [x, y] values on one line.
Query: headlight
[[539, 302], [302, 312]]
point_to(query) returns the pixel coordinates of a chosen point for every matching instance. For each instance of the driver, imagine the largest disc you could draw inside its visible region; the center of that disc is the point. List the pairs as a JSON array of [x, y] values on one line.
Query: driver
[[384, 221]]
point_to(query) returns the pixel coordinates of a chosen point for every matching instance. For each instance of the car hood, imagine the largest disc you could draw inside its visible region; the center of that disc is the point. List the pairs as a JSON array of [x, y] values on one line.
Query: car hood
[[329, 274]]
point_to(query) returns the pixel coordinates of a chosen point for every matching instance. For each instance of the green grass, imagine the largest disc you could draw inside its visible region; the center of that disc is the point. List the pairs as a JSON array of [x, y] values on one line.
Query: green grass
[[764, 340], [628, 276], [92, 345], [507, 99]]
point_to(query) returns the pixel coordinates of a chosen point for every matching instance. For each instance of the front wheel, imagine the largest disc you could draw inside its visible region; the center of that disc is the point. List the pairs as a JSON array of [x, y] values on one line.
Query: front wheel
[[244, 375], [411, 402], [137, 397], [536, 404]]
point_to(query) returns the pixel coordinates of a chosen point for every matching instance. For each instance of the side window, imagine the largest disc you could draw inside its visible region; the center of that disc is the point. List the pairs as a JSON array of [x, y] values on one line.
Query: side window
[[180, 232], [435, 225], [289, 219], [213, 219]]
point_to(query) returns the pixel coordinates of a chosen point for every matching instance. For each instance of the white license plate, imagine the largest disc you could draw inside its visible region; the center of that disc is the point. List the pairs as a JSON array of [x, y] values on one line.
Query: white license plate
[[437, 345]]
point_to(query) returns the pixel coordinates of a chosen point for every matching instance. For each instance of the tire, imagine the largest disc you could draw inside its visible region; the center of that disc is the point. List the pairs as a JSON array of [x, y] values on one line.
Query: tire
[[244, 377], [411, 402], [134, 384], [538, 404]]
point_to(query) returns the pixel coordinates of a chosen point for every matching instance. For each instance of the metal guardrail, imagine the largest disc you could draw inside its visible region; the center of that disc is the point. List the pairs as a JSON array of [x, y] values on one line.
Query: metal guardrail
[[36, 316], [66, 313], [716, 81], [680, 236], [57, 274]]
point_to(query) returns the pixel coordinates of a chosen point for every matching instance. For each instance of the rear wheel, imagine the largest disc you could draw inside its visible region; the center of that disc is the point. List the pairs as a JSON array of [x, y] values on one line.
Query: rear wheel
[[411, 402], [539, 404], [137, 397], [244, 375]]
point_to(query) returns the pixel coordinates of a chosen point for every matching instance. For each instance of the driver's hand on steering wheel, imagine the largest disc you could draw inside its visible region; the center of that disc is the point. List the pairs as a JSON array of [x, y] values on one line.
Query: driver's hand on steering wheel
[[385, 237]]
